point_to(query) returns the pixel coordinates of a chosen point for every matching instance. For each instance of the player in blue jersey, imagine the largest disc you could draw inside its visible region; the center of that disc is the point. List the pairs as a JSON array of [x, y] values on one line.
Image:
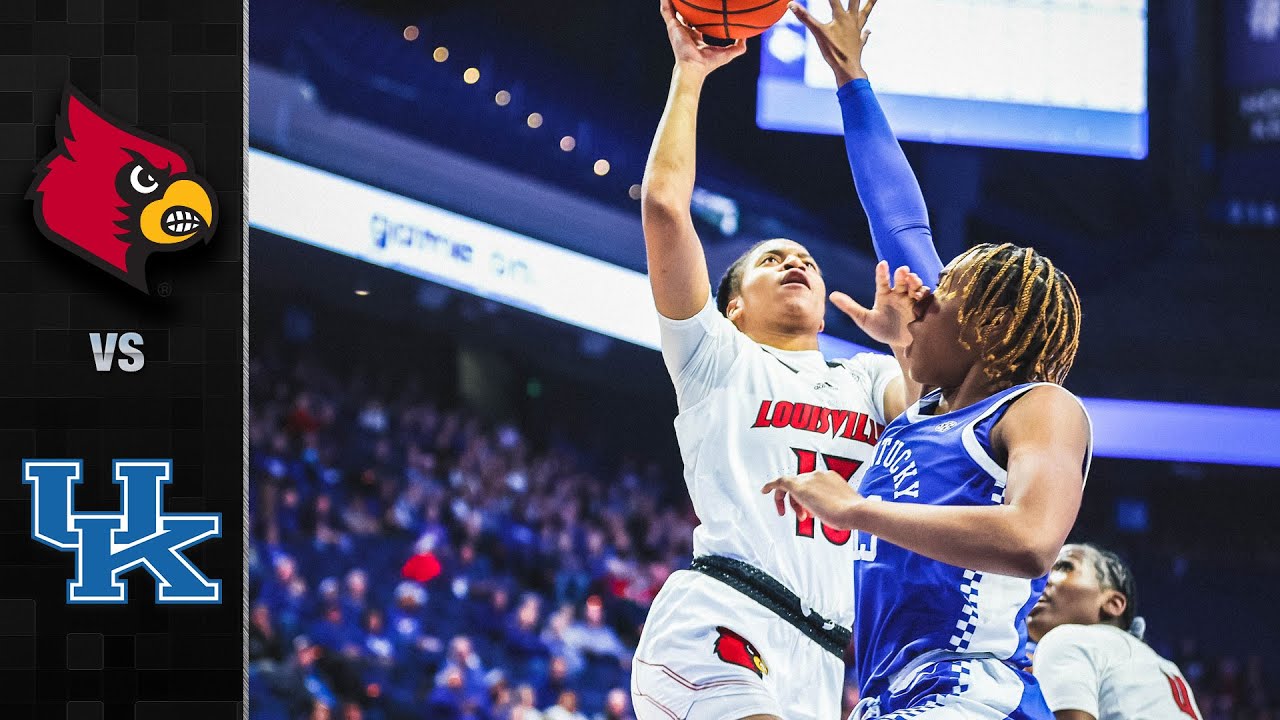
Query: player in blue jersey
[[973, 489]]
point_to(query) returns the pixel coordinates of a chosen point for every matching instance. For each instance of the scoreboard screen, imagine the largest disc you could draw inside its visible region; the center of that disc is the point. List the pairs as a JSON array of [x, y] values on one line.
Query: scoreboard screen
[[1065, 76]]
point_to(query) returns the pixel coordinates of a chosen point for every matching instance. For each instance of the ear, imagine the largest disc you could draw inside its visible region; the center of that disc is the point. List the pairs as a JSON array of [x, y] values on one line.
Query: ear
[[1113, 605], [734, 307]]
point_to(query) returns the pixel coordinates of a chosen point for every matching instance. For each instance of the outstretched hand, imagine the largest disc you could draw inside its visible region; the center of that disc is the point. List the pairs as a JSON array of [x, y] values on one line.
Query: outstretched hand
[[691, 50], [894, 306], [841, 40]]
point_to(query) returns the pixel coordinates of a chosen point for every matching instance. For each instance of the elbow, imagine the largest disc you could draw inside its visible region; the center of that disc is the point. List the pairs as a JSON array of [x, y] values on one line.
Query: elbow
[[1032, 559], [661, 195], [660, 202], [662, 216]]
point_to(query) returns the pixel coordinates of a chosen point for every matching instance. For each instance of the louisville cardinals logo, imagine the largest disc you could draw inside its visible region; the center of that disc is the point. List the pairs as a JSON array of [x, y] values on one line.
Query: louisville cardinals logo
[[737, 650], [113, 195]]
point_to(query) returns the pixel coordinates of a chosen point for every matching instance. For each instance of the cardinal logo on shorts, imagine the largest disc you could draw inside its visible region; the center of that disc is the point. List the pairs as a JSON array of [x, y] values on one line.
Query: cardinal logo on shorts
[[737, 650], [114, 195]]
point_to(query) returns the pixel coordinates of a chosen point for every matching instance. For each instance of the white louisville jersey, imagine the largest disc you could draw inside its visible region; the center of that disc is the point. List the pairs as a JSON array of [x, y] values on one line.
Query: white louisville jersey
[[749, 414], [1110, 674]]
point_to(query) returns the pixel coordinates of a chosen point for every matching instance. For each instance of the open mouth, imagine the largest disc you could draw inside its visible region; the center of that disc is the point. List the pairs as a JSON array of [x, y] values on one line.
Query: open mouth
[[182, 221], [795, 277]]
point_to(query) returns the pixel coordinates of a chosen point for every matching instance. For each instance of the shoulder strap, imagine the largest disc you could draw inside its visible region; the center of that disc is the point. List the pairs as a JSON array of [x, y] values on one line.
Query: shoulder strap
[[988, 463]]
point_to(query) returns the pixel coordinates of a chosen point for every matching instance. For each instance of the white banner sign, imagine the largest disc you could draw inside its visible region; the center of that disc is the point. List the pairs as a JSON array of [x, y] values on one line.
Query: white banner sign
[[379, 227]]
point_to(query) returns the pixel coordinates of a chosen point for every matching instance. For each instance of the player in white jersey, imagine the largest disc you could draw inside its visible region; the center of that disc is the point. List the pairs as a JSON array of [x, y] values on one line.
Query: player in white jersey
[[758, 627], [1090, 658]]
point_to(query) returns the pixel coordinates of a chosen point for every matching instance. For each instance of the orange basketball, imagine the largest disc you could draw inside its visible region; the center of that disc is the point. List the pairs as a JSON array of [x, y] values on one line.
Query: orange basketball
[[727, 20]]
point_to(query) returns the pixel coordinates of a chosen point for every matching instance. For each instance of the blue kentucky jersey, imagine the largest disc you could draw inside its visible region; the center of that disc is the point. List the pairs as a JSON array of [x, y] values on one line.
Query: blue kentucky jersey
[[907, 604]]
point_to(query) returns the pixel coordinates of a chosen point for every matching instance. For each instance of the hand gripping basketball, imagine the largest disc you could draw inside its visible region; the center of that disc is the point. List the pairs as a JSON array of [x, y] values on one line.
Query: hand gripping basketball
[[691, 47], [721, 22]]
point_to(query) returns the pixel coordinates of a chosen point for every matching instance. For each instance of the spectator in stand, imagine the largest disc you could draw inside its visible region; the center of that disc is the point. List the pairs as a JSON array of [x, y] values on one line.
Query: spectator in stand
[[275, 594], [557, 682], [526, 651], [378, 652], [617, 706], [355, 598], [423, 566], [336, 634], [592, 641], [463, 658], [330, 593], [553, 634], [413, 644], [566, 708], [450, 699], [526, 705], [299, 684], [489, 619], [265, 641]]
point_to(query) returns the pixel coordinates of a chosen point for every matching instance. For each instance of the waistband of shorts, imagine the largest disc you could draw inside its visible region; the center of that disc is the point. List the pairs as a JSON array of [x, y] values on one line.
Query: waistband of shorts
[[773, 595]]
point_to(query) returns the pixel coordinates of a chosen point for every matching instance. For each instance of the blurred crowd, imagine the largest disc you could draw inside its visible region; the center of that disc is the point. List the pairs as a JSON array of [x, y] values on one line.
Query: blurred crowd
[[409, 560]]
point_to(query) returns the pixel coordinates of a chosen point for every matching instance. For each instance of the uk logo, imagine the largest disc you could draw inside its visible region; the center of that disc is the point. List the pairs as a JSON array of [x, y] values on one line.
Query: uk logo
[[109, 544]]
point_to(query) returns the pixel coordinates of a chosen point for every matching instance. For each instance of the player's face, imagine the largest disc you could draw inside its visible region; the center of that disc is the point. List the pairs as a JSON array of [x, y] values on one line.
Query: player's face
[[781, 285], [1073, 594], [935, 357]]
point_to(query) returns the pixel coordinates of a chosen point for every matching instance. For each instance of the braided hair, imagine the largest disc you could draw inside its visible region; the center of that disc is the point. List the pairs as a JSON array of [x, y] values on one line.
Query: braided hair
[[1018, 291], [1115, 574]]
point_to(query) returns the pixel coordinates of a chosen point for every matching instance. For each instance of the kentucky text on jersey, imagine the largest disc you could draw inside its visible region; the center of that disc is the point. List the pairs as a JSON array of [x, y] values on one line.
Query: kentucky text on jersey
[[848, 424], [895, 457]]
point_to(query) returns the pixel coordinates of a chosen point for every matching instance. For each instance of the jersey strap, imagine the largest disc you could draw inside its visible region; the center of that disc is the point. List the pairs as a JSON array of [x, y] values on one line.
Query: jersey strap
[[764, 589]]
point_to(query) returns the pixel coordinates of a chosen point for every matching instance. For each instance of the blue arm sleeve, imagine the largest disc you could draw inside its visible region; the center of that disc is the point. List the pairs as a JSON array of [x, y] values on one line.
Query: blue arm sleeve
[[887, 187]]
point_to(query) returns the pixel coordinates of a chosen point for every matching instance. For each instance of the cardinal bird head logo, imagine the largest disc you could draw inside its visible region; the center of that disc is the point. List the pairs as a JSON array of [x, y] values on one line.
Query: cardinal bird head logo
[[737, 650], [113, 194]]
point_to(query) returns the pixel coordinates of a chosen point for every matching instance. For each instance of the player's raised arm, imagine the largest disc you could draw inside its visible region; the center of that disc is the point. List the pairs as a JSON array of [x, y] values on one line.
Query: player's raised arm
[[885, 183], [677, 265]]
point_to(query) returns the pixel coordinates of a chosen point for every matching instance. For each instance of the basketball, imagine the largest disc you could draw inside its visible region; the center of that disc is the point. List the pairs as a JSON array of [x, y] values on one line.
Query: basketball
[[722, 21]]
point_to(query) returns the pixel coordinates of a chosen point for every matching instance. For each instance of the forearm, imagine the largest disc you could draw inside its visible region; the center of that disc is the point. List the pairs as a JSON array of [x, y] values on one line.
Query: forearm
[[670, 173], [886, 185], [987, 539], [677, 265]]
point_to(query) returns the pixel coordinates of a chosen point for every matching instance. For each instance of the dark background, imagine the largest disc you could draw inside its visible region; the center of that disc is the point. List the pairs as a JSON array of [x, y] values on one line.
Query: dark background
[[173, 69]]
